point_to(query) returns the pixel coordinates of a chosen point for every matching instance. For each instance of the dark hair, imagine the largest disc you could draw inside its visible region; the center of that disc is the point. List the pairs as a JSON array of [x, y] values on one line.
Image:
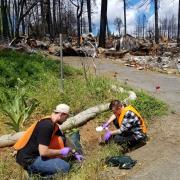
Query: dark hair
[[115, 103]]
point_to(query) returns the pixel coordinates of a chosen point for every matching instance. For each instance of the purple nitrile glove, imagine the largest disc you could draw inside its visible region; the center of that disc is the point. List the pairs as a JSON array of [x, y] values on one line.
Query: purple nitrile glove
[[78, 156], [105, 125], [65, 151], [107, 136]]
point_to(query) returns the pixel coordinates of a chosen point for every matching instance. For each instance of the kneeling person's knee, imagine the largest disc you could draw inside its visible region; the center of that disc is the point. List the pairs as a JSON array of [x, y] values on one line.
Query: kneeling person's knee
[[66, 167], [118, 139]]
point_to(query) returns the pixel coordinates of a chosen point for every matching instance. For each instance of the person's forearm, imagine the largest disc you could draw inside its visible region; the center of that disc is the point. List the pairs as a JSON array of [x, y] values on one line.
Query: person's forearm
[[111, 119], [50, 152], [115, 132]]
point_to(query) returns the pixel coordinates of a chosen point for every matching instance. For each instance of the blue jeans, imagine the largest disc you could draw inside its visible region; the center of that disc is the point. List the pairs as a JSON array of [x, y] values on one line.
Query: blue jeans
[[47, 166]]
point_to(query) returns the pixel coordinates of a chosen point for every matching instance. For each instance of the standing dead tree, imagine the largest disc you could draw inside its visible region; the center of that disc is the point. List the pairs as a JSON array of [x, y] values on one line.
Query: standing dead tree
[[89, 14], [125, 27], [118, 25], [5, 24], [22, 9], [103, 23], [79, 10], [156, 21], [178, 35]]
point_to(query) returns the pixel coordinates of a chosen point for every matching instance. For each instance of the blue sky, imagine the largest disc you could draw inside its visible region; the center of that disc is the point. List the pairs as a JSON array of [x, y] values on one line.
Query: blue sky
[[115, 9]]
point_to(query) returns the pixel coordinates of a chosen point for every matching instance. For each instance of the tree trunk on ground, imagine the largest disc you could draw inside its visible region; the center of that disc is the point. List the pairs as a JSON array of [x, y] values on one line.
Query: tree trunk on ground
[[156, 22], [89, 15], [103, 24], [178, 35], [76, 121]]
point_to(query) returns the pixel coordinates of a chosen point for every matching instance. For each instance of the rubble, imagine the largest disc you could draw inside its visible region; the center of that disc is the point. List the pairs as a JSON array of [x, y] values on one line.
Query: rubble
[[143, 54], [115, 54], [53, 49], [42, 44], [127, 42], [132, 52], [165, 64]]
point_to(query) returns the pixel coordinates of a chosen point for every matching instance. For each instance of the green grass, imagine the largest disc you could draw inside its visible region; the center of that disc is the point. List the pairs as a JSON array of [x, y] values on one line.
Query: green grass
[[94, 164], [149, 106], [42, 82]]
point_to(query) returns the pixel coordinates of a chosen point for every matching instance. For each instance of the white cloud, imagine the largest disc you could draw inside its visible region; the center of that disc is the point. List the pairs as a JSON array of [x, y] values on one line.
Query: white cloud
[[167, 9], [115, 9]]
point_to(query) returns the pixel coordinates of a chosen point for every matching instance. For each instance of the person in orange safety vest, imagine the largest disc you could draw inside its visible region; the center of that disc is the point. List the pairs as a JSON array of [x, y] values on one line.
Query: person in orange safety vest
[[42, 148], [131, 127]]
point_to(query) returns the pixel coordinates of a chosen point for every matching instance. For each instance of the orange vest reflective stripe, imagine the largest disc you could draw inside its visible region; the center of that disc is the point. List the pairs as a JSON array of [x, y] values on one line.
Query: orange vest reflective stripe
[[55, 143], [130, 108]]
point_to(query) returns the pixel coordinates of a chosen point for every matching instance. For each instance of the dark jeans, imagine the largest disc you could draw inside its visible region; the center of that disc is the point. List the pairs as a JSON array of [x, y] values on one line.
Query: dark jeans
[[128, 141], [46, 167]]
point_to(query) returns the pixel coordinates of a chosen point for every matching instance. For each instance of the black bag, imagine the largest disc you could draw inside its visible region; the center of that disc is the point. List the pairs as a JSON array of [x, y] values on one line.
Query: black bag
[[73, 140], [124, 162]]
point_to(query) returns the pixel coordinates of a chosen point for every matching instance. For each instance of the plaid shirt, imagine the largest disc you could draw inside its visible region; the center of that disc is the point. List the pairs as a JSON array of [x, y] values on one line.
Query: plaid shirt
[[131, 125]]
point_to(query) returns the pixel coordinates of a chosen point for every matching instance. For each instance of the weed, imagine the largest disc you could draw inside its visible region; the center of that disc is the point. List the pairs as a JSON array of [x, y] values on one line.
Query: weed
[[18, 108]]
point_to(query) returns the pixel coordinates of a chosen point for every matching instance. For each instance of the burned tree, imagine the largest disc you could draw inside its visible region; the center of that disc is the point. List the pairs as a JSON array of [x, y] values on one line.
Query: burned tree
[[89, 14], [125, 17], [103, 23], [22, 9], [5, 24], [156, 21], [79, 10], [118, 24], [178, 35]]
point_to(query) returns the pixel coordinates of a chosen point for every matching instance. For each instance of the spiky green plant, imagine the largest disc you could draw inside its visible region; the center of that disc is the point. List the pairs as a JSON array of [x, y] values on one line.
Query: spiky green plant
[[18, 108]]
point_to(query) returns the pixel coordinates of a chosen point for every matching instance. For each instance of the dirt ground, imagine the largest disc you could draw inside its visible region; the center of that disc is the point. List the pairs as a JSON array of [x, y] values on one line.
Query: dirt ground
[[89, 136], [159, 159]]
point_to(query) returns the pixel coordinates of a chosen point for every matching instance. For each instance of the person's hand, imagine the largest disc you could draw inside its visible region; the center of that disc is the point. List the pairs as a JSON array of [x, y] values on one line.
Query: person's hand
[[105, 125], [78, 156], [107, 135], [65, 151]]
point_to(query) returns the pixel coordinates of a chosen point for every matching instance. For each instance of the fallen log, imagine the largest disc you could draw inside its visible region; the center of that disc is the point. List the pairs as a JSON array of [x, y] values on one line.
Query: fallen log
[[116, 54], [72, 122], [10, 139], [76, 121], [84, 116]]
